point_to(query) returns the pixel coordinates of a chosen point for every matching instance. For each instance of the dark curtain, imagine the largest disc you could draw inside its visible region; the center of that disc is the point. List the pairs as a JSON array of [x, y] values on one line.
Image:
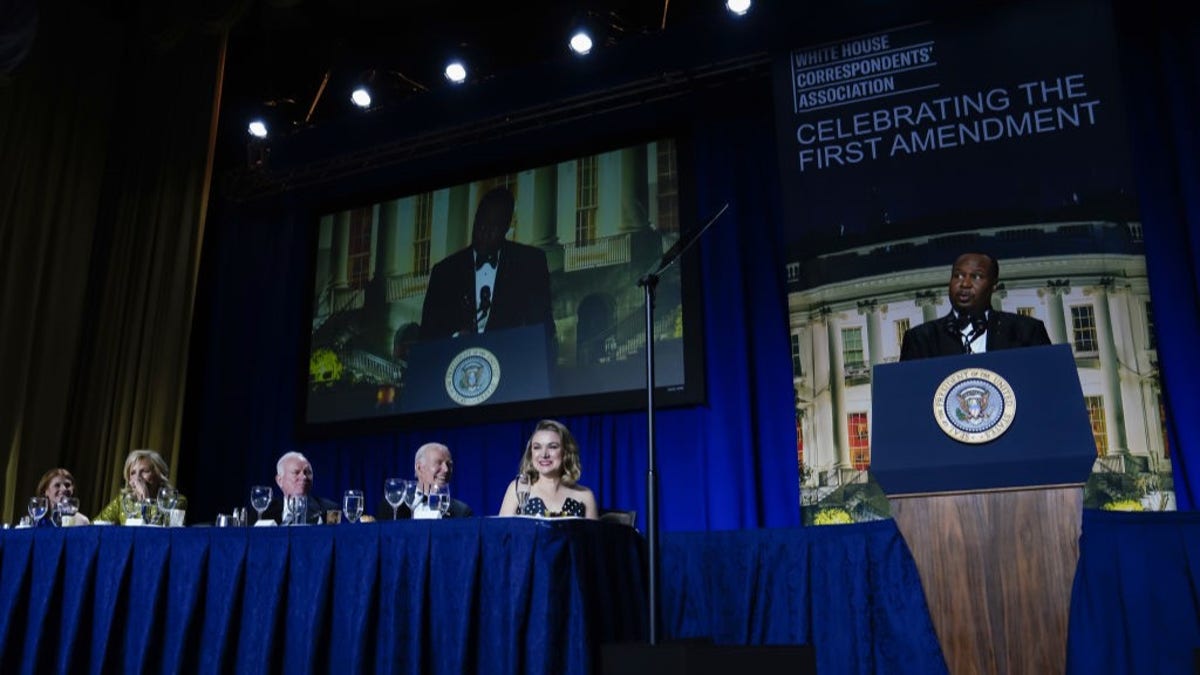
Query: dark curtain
[[728, 464], [103, 133], [1160, 49], [54, 138]]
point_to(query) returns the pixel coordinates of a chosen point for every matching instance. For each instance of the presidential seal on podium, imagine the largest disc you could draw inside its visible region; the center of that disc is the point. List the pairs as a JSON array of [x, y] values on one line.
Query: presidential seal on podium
[[472, 376], [974, 405]]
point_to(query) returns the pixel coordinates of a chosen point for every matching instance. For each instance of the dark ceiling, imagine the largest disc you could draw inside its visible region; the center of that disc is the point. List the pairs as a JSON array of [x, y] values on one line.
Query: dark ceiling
[[281, 50]]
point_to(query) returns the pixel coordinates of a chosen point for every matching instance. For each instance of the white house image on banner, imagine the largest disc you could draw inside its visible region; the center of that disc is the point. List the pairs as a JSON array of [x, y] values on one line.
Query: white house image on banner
[[1097, 301]]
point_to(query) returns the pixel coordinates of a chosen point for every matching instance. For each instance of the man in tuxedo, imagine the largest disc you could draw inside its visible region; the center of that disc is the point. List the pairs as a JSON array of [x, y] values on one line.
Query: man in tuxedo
[[972, 326], [492, 284], [294, 476], [433, 465]]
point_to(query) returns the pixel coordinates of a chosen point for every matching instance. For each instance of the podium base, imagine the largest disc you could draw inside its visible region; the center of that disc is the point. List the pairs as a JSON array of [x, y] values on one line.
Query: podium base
[[704, 658], [997, 568]]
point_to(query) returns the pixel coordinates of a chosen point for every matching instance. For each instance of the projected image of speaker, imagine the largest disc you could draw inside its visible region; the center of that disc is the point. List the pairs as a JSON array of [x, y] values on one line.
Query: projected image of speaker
[[427, 297]]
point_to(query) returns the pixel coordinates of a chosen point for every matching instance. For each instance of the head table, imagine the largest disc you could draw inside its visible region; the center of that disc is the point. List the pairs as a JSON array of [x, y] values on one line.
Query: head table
[[474, 595]]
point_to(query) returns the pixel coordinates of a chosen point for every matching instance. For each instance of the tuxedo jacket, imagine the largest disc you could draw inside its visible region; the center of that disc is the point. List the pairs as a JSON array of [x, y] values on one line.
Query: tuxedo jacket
[[317, 507], [941, 337], [520, 295], [458, 509]]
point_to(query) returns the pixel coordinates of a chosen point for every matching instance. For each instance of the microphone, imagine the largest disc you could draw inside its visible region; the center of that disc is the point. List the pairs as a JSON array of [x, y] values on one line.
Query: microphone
[[979, 324], [976, 322]]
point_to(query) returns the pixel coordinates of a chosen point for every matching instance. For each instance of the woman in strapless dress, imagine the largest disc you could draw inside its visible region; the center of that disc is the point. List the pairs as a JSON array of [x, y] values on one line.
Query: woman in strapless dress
[[551, 464]]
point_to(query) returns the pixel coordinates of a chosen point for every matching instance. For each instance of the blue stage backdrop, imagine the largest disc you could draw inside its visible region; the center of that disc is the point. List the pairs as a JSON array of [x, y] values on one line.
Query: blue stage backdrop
[[1160, 50], [728, 464]]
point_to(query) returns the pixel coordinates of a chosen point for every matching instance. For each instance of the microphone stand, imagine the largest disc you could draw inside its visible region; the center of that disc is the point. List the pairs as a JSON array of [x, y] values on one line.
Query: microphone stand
[[649, 283]]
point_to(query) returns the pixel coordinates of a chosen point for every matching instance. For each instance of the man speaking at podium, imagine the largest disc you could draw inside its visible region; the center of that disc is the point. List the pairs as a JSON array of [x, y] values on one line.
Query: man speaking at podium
[[972, 326], [492, 284]]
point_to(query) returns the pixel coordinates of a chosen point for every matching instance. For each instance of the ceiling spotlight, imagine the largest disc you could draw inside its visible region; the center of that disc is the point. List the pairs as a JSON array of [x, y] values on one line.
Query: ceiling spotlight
[[258, 128], [361, 97], [581, 42], [456, 72], [738, 7]]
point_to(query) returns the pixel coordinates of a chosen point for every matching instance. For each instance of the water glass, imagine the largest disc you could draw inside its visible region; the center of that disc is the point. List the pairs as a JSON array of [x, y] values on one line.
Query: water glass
[[352, 505], [168, 497], [131, 505], [65, 510], [439, 499]]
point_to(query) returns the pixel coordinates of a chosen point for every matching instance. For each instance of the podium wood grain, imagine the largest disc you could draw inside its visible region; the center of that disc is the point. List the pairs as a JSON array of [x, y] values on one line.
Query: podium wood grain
[[997, 568]]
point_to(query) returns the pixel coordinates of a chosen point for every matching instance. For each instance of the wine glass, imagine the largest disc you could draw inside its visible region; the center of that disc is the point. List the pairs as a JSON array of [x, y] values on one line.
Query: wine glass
[[352, 505], [411, 488], [260, 499], [168, 497], [298, 509], [522, 488], [393, 492], [37, 508], [439, 499]]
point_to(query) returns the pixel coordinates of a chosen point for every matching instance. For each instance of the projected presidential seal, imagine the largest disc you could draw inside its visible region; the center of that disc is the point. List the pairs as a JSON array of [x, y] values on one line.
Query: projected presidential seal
[[473, 376], [974, 405]]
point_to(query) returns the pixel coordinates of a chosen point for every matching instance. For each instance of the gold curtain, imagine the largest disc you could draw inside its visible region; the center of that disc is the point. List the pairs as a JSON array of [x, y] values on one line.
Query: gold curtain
[[105, 136]]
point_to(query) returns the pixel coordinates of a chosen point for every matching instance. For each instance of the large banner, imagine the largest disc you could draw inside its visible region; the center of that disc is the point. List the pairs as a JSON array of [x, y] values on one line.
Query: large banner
[[1001, 132]]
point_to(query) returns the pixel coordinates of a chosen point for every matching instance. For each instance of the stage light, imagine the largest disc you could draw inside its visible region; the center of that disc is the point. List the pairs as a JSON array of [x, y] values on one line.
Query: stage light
[[361, 97], [581, 42], [456, 72], [258, 128], [738, 7]]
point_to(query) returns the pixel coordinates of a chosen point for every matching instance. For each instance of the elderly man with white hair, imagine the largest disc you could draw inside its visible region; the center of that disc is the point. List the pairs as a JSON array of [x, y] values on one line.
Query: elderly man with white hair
[[432, 465], [294, 476]]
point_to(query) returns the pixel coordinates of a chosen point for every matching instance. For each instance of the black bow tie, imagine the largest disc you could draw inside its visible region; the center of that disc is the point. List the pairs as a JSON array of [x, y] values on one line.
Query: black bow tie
[[977, 322], [491, 259]]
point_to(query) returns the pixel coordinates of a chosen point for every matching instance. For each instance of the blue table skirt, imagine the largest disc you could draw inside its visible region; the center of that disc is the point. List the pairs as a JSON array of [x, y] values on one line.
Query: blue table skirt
[[479, 595], [476, 595], [1135, 604], [852, 591]]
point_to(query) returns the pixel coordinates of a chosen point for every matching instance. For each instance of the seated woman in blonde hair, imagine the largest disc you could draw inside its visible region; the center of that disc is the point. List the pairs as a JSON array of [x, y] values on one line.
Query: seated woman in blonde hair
[[145, 474], [551, 461]]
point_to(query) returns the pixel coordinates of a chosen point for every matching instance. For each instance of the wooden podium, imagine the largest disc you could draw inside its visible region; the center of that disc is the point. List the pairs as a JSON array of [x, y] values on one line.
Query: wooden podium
[[993, 525], [997, 569]]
